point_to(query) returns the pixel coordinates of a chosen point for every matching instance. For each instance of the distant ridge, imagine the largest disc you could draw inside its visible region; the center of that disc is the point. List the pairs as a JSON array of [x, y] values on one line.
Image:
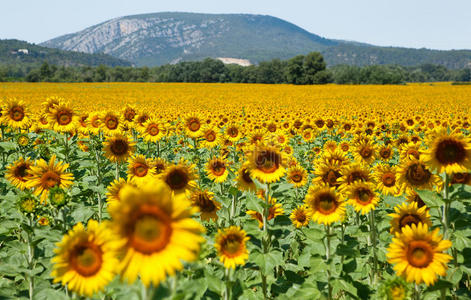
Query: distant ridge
[[21, 52], [161, 38]]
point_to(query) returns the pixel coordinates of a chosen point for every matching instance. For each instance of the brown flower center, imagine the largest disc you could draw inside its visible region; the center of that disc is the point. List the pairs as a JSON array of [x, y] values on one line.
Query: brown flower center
[[150, 230], [388, 179], [21, 171], [218, 168], [194, 124], [86, 258], [326, 203], [364, 196], [417, 174], [385, 153], [64, 117], [232, 245], [450, 151], [129, 114], [111, 122], [17, 113], [233, 132], [153, 129], [419, 254], [140, 169], [177, 179], [366, 152], [267, 161], [210, 136], [119, 147], [409, 219], [205, 204], [50, 179], [246, 176]]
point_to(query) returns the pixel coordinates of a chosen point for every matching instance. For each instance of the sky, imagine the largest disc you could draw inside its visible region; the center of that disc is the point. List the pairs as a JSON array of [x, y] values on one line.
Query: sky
[[434, 24]]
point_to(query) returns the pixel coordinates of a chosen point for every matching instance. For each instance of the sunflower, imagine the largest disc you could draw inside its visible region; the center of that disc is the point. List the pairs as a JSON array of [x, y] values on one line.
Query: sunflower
[[112, 123], [15, 115], [140, 169], [18, 172], [327, 173], [325, 204], [352, 173], [94, 122], [153, 130], [414, 174], [385, 152], [413, 197], [211, 137], [85, 259], [244, 181], [112, 195], [206, 204], [417, 254], [300, 216], [365, 152], [266, 164], [181, 177], [157, 232], [159, 165], [394, 289], [297, 176], [217, 170], [410, 150], [45, 176], [63, 118], [385, 176], [129, 113], [51, 103], [407, 214], [330, 146], [274, 210], [461, 178], [256, 136], [362, 196], [449, 153], [118, 147], [231, 246], [233, 132], [193, 125]]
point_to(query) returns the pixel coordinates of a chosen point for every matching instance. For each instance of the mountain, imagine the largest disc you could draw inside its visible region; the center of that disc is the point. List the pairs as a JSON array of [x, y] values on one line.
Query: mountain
[[169, 37], [15, 52]]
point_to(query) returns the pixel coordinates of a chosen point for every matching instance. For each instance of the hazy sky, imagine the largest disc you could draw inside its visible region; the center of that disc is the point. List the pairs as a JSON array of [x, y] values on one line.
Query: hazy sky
[[436, 24]]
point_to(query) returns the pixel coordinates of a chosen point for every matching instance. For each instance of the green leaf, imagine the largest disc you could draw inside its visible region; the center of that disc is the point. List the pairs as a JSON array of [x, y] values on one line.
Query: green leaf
[[461, 239], [314, 234], [307, 291], [267, 261], [342, 285], [431, 199]]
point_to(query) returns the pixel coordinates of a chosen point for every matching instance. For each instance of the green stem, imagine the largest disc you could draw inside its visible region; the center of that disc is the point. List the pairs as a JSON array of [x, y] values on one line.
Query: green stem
[[30, 260], [373, 241], [446, 207], [227, 290], [117, 171], [416, 291], [266, 239], [327, 258], [233, 208]]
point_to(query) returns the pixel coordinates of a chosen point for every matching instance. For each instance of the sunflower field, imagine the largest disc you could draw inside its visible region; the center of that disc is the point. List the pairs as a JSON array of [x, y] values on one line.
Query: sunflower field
[[234, 191]]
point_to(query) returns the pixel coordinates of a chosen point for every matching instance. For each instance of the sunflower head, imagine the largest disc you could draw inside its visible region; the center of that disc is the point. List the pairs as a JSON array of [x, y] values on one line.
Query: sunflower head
[[206, 204], [266, 164], [152, 224], [300, 216], [415, 174], [217, 170], [180, 178], [28, 204], [118, 147], [85, 259], [325, 204], [244, 181], [449, 153], [230, 244], [417, 254], [362, 196], [18, 172], [407, 214]]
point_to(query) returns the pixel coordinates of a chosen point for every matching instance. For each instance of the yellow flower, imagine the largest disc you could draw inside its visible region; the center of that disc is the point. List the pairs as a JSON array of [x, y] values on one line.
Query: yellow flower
[[157, 231], [362, 196], [244, 181], [231, 246], [18, 172], [153, 130], [414, 174], [140, 169], [118, 147], [449, 153], [300, 216], [417, 254], [14, 114], [63, 118], [112, 195], [180, 178], [208, 207], [266, 164], [385, 176], [325, 204], [407, 214], [45, 176], [85, 259], [217, 170], [297, 176]]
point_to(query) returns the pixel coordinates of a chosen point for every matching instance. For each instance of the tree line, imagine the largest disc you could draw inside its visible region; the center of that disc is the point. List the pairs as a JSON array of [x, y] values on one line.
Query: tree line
[[301, 69]]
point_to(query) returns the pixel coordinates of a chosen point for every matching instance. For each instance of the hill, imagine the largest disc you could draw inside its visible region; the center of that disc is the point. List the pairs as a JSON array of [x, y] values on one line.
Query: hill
[[15, 52], [170, 37]]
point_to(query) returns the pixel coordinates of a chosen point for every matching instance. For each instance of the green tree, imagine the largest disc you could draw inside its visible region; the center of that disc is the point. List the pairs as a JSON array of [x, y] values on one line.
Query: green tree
[[312, 64], [294, 70]]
